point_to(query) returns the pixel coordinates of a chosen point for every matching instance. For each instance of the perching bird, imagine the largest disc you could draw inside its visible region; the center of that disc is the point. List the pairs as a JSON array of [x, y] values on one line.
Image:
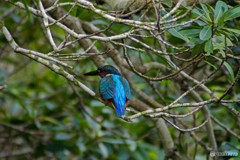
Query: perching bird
[[113, 88]]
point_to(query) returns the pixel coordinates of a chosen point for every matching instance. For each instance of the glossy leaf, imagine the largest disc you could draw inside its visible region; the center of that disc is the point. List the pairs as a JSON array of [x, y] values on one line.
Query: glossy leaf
[[63, 136], [218, 14], [103, 149], [223, 5], [230, 35], [220, 21], [222, 53], [206, 33], [169, 3], [190, 32], [208, 47], [232, 13], [198, 48], [210, 8], [177, 34], [49, 119], [222, 39], [198, 13], [233, 30], [229, 68], [210, 64], [205, 9], [220, 9]]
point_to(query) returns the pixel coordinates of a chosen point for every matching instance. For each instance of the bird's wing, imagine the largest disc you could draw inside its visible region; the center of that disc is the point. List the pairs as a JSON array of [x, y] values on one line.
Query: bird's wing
[[126, 88], [107, 88]]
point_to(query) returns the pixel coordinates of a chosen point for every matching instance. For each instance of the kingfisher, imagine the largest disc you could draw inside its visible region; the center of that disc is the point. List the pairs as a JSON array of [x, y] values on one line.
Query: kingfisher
[[113, 88]]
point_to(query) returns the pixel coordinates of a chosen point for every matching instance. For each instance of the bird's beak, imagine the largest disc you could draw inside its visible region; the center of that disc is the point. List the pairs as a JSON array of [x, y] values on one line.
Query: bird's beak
[[93, 73]]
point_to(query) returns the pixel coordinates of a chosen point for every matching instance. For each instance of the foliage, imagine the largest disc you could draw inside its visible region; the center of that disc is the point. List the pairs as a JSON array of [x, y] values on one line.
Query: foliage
[[44, 115]]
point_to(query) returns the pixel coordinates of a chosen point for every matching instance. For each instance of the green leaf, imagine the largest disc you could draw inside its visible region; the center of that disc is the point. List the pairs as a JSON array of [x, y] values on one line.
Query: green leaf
[[190, 32], [63, 136], [223, 5], [49, 119], [103, 149], [231, 36], [197, 48], [222, 38], [220, 21], [210, 8], [233, 30], [220, 9], [208, 47], [74, 12], [205, 9], [210, 64], [229, 68], [169, 3], [198, 13], [112, 141], [222, 53], [206, 33], [218, 14], [26, 7], [195, 41], [232, 13], [177, 34]]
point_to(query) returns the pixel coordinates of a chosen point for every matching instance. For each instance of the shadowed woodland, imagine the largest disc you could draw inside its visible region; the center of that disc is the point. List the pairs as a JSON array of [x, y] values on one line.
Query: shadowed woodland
[[181, 59]]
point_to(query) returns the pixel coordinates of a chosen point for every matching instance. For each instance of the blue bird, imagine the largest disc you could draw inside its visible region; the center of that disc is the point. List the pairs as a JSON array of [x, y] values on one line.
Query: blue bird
[[113, 88]]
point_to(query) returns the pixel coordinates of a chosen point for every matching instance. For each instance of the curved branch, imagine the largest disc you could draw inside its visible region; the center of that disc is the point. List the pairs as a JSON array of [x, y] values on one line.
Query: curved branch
[[189, 129], [51, 66]]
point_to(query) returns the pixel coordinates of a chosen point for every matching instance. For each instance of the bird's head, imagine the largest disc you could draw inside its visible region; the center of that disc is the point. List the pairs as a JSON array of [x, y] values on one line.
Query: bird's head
[[103, 71]]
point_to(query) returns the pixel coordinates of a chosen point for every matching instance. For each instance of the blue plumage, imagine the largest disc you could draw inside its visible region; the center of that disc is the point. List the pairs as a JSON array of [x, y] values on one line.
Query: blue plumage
[[113, 88], [120, 97], [107, 88], [126, 88]]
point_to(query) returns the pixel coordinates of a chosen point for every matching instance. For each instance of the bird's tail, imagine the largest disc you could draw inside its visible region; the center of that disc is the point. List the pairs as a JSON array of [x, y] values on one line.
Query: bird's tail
[[119, 107]]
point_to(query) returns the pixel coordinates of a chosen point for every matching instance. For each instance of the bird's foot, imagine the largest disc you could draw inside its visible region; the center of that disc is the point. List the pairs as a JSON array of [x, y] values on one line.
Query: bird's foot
[[125, 118]]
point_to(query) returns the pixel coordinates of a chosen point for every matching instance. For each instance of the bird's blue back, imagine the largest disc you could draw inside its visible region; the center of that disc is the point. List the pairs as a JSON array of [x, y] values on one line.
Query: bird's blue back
[[115, 89]]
